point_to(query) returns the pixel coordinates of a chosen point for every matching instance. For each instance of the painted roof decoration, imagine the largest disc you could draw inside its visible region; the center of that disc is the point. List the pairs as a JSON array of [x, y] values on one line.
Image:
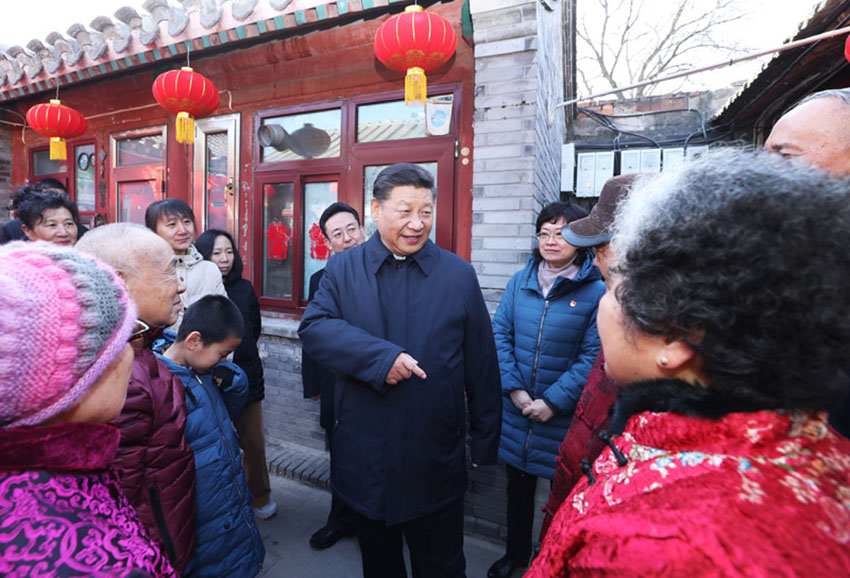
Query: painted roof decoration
[[160, 30]]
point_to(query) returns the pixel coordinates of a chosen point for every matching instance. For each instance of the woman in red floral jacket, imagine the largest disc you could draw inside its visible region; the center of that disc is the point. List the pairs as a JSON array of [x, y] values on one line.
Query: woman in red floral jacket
[[727, 319]]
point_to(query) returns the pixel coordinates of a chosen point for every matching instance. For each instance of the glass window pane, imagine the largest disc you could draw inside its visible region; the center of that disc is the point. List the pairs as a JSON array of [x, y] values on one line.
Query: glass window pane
[[146, 150], [42, 165], [216, 203], [370, 173], [278, 201], [133, 200], [317, 197], [394, 120], [312, 135], [84, 177]]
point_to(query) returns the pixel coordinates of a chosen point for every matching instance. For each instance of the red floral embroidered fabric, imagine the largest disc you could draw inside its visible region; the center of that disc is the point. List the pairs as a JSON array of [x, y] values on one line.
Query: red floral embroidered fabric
[[752, 494]]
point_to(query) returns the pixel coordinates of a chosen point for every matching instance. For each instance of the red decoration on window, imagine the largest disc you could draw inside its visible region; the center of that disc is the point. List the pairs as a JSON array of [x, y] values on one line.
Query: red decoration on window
[[58, 122], [415, 41], [277, 236], [187, 94], [319, 248]]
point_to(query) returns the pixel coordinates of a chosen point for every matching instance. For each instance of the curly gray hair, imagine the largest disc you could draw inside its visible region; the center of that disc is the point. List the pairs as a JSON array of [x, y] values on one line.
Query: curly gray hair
[[743, 255]]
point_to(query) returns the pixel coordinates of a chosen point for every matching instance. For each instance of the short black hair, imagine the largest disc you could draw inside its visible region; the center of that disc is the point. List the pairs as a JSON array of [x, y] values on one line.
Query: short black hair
[[167, 208], [401, 175], [29, 203], [332, 210], [49, 183], [204, 244], [215, 317], [554, 211]]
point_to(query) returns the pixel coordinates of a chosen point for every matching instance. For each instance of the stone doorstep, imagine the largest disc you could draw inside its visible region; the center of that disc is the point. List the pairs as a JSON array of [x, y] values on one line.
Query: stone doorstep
[[299, 463]]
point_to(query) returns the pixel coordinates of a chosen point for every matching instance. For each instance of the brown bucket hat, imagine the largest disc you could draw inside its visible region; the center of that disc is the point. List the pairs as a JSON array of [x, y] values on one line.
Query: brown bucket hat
[[594, 229]]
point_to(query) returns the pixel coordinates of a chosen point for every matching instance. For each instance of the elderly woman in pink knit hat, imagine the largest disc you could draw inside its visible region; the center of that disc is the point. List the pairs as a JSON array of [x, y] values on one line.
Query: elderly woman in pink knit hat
[[64, 366]]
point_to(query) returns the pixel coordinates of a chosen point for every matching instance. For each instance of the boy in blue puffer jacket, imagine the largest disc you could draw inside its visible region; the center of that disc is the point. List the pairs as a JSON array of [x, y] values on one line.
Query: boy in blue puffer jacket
[[227, 541]]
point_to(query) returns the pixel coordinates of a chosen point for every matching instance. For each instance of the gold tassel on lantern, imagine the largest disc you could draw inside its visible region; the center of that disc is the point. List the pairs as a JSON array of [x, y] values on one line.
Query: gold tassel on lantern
[[58, 150], [185, 128], [415, 87]]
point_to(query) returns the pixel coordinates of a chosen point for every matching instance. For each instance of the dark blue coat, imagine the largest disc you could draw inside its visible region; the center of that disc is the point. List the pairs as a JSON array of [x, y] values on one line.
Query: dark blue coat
[[546, 347], [399, 451], [227, 541]]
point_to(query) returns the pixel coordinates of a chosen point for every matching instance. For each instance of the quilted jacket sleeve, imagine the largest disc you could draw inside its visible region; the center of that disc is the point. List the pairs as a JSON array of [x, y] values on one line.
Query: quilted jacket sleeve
[[135, 424], [327, 338], [233, 386], [504, 332]]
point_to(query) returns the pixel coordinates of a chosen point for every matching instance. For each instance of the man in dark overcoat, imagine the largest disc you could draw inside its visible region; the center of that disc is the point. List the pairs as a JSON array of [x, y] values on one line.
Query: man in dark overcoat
[[409, 346], [340, 224]]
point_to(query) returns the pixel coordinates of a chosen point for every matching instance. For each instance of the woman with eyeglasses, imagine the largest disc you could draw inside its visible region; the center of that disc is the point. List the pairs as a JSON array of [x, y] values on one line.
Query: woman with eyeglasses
[[64, 369], [545, 329]]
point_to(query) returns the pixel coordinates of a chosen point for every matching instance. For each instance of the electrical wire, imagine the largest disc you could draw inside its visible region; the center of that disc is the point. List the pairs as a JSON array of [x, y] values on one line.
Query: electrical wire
[[684, 73]]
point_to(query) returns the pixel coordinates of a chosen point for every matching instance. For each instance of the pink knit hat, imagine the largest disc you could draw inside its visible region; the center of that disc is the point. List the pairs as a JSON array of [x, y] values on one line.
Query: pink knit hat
[[64, 317]]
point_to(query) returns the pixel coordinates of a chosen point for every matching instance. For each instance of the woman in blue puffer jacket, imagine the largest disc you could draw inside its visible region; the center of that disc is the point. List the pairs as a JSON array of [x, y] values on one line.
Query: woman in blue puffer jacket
[[545, 329]]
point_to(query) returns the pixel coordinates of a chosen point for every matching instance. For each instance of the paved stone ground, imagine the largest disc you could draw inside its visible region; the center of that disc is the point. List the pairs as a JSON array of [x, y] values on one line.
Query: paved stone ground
[[303, 509]]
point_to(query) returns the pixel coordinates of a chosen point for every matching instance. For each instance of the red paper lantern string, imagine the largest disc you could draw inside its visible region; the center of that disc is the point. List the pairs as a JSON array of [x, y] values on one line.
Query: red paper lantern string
[[187, 94], [415, 41], [57, 122]]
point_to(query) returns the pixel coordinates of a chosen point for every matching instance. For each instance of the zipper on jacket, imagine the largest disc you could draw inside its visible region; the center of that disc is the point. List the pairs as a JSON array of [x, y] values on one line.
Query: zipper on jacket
[[534, 380], [232, 465], [537, 350], [159, 518]]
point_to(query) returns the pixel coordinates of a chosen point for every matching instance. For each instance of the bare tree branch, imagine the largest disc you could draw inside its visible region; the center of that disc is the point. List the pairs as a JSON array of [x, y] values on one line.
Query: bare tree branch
[[622, 42]]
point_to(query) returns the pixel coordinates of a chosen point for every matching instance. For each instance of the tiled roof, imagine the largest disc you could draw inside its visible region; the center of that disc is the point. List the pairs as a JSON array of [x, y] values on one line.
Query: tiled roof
[[788, 76], [161, 30]]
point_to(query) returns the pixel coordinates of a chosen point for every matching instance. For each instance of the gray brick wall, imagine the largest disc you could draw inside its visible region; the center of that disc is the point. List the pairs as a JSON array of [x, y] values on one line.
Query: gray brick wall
[[519, 66], [288, 417], [5, 173]]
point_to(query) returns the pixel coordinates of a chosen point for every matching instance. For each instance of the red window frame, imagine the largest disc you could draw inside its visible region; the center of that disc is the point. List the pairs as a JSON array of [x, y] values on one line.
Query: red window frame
[[348, 169], [69, 177]]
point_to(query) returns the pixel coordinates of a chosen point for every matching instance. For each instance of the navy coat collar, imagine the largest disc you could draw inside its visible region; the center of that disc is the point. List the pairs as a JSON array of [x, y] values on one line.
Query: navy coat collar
[[377, 254]]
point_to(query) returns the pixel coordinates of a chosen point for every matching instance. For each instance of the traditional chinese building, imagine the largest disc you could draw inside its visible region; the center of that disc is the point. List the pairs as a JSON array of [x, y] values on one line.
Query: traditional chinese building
[[307, 116]]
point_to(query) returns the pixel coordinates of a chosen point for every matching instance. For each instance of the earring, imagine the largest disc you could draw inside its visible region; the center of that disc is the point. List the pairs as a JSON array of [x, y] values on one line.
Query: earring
[[662, 361]]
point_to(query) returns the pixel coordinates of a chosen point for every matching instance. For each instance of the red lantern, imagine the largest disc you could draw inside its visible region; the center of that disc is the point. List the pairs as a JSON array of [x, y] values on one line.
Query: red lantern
[[187, 94], [418, 42], [58, 122]]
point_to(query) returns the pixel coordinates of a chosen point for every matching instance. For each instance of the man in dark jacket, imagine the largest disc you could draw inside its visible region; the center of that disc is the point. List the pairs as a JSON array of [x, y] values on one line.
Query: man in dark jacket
[[407, 347], [340, 224], [154, 463]]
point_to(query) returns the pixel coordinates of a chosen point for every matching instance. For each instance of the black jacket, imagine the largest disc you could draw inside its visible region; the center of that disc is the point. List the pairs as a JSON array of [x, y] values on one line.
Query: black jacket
[[246, 355], [399, 451], [316, 379]]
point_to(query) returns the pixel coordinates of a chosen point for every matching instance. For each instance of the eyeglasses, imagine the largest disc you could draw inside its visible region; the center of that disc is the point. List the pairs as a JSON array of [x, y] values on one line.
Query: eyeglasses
[[350, 230], [138, 330], [544, 236]]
